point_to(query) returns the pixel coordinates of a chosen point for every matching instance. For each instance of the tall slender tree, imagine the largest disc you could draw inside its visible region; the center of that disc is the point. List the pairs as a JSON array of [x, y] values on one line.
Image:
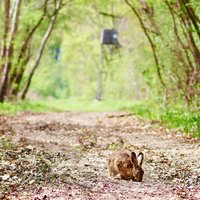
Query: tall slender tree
[[13, 58]]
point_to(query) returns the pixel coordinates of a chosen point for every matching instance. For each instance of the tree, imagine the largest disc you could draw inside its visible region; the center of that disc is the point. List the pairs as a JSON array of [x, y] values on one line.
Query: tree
[[181, 45], [14, 57]]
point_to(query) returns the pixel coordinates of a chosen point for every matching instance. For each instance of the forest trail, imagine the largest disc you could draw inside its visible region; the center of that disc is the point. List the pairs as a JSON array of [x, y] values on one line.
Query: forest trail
[[64, 156]]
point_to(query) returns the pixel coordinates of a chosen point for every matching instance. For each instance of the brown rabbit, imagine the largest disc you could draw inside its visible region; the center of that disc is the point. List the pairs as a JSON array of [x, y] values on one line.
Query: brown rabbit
[[127, 166]]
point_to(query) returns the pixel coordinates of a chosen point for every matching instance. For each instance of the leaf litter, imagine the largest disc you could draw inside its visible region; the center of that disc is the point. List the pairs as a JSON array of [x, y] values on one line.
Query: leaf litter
[[64, 156]]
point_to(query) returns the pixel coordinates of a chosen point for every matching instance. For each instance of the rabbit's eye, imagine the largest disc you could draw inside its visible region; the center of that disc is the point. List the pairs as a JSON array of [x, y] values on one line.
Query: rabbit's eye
[[129, 165]]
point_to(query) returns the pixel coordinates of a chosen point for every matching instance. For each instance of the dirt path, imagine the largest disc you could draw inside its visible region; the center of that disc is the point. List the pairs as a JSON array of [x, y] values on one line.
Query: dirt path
[[64, 156]]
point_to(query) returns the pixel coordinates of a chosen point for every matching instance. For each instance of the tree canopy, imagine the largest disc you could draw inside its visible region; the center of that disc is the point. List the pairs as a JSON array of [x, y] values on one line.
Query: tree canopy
[[52, 48]]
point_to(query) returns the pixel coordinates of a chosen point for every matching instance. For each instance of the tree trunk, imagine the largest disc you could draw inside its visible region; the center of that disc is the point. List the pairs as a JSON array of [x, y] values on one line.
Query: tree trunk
[[24, 56], [4, 39], [153, 47], [99, 76], [41, 50], [191, 14], [9, 50]]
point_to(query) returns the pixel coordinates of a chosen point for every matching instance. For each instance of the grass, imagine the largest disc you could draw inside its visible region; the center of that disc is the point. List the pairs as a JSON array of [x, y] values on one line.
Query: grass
[[178, 117], [10, 108], [72, 104], [172, 116]]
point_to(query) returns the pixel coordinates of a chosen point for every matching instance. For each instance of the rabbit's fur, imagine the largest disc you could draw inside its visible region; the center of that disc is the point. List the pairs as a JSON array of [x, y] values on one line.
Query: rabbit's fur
[[127, 166]]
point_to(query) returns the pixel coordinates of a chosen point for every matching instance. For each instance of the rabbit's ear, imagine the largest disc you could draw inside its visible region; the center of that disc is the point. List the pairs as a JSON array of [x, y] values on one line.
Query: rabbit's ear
[[134, 158], [140, 158]]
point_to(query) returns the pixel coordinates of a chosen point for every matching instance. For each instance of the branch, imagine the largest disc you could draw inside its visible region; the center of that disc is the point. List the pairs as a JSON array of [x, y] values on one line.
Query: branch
[[194, 48], [41, 49], [22, 60], [9, 50], [68, 2], [109, 15], [177, 35], [27, 41], [150, 41], [191, 14], [6, 28]]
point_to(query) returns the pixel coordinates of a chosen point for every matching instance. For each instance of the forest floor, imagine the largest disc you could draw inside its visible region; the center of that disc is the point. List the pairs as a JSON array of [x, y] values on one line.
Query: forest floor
[[64, 156]]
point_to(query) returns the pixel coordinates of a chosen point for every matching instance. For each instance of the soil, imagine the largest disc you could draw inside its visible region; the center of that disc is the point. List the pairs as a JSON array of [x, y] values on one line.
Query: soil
[[64, 156]]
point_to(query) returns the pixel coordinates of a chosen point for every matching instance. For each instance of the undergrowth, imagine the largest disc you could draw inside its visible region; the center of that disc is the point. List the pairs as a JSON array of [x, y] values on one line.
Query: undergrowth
[[178, 117], [10, 108]]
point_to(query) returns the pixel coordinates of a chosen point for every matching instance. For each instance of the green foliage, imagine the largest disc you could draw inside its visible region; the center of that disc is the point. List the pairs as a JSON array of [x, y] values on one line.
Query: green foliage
[[173, 116], [5, 144], [13, 108], [71, 104], [188, 122], [75, 73]]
